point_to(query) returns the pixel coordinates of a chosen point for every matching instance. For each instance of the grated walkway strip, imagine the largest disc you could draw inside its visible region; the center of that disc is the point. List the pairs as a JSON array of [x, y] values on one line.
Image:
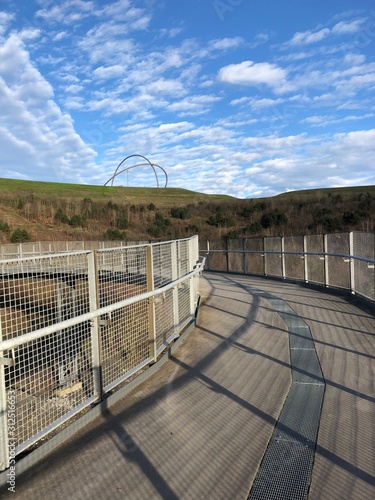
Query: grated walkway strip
[[285, 471]]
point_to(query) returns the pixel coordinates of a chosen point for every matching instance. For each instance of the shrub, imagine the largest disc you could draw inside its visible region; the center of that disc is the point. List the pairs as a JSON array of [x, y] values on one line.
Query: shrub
[[19, 236], [232, 235], [113, 233], [61, 216], [351, 218], [122, 223], [273, 218], [182, 213], [77, 221], [4, 226], [255, 227], [160, 226]]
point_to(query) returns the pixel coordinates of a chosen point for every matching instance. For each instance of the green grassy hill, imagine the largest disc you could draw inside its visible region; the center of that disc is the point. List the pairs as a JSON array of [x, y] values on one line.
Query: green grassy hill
[[43, 211]]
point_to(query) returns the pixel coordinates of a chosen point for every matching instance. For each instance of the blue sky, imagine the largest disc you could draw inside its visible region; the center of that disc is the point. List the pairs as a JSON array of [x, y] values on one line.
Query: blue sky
[[243, 97]]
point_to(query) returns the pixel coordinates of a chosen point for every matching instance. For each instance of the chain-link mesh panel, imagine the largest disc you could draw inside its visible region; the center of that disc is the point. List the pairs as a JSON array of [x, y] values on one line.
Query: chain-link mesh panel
[[162, 263], [41, 292], [255, 261], [125, 341], [235, 260], [50, 378], [338, 267], [364, 277], [184, 302], [315, 263], [122, 274], [273, 264], [294, 264], [217, 261], [182, 258], [164, 318]]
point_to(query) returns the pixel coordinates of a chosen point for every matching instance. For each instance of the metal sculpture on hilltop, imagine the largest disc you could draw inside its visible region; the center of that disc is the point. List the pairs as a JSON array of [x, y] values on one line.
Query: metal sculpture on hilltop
[[146, 163]]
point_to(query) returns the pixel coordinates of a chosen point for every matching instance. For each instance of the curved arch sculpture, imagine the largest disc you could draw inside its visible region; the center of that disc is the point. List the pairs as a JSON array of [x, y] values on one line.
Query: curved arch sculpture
[[143, 164]]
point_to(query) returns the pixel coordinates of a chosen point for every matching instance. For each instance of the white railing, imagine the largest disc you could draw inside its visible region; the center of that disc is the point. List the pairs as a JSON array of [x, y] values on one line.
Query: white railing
[[339, 260], [74, 326], [33, 249]]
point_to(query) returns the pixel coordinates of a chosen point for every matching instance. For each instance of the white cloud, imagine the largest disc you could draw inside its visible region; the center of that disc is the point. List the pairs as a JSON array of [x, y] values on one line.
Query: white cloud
[[307, 37], [226, 43], [5, 20], [347, 28], [250, 73], [70, 11], [36, 139]]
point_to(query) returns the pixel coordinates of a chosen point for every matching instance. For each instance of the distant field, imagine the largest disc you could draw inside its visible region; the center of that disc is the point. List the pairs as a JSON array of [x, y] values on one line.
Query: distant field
[[315, 193], [160, 196], [133, 195]]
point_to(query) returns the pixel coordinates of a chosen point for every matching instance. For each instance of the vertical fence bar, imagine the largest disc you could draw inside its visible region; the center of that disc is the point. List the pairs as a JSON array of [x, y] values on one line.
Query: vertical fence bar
[[192, 262], [264, 257], [176, 319], [93, 282], [151, 304], [226, 255], [305, 264], [244, 255], [352, 270], [4, 436], [326, 263], [283, 258], [208, 255]]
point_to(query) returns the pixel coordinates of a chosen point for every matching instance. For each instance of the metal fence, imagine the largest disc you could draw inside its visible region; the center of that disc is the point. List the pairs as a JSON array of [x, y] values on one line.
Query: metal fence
[[338, 260], [74, 326], [33, 249]]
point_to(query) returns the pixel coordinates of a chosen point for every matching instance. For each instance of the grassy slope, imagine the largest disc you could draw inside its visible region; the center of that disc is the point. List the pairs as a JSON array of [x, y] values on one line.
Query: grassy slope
[[132, 195], [32, 205]]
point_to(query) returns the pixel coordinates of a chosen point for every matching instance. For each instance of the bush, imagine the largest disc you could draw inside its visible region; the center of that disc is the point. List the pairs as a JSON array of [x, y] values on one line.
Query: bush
[[61, 216], [351, 218], [20, 236], [115, 234], [182, 213], [4, 226], [273, 218], [219, 220], [160, 226], [232, 235], [122, 223], [192, 228], [255, 227], [77, 221]]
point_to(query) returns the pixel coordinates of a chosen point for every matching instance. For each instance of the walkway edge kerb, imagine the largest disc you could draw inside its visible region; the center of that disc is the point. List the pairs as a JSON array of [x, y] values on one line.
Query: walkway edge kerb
[[37, 455]]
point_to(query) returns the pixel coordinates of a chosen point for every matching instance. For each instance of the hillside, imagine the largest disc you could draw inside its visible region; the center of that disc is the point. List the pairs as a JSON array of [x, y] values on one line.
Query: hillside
[[42, 211]]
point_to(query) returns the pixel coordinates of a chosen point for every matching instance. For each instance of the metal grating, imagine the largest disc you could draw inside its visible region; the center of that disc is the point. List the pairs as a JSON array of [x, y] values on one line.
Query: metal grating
[[285, 471]]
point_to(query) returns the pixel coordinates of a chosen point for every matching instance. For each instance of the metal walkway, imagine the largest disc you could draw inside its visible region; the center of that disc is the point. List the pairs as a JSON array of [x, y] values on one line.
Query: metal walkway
[[199, 428]]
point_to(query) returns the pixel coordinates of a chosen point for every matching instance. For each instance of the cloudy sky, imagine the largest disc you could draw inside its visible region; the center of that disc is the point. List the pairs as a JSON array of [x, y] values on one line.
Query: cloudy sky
[[243, 97]]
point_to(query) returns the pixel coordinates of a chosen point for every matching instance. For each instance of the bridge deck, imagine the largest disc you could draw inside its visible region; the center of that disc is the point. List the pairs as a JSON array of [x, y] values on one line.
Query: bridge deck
[[199, 427]]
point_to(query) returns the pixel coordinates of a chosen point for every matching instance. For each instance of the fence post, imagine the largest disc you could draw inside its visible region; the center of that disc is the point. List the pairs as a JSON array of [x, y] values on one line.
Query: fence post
[[4, 436], [176, 316], [306, 268], [352, 270], [226, 254], [151, 303], [264, 257], [96, 345], [326, 263], [208, 254], [283, 258], [244, 255]]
